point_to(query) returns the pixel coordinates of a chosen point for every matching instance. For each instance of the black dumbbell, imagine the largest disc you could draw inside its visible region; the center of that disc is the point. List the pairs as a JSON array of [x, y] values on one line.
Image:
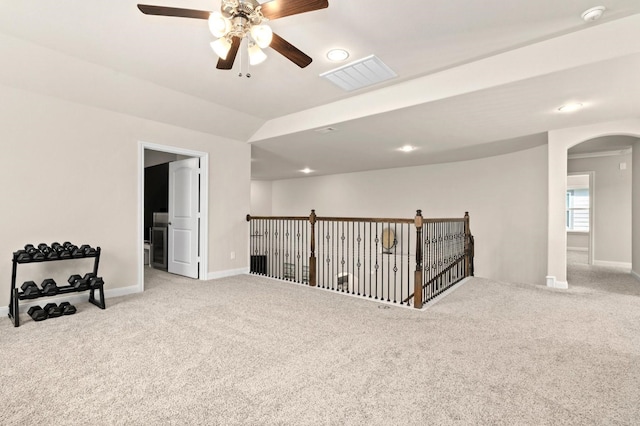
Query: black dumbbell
[[87, 250], [78, 282], [63, 253], [37, 313], [67, 308], [49, 287], [48, 252], [76, 251], [52, 310], [60, 250], [30, 289], [96, 282], [33, 252], [22, 256]]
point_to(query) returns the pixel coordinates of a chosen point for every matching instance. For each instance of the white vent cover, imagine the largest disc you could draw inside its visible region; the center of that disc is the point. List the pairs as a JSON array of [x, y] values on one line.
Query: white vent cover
[[356, 75]]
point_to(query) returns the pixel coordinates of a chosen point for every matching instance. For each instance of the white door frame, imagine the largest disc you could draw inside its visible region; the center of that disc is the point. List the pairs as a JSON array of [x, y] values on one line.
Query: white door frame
[[592, 211], [204, 205]]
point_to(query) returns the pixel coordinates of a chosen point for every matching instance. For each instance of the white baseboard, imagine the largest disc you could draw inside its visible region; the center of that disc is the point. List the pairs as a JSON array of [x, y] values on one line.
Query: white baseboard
[[625, 265], [635, 275], [577, 249], [122, 291], [553, 283], [228, 273], [73, 298]]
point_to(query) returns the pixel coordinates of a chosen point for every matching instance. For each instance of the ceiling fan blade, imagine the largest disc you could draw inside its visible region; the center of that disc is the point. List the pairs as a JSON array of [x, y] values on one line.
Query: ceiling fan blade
[[227, 64], [280, 8], [173, 11], [289, 51]]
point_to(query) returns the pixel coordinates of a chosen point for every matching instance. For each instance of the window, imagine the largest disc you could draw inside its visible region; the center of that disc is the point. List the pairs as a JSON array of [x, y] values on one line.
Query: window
[[578, 209]]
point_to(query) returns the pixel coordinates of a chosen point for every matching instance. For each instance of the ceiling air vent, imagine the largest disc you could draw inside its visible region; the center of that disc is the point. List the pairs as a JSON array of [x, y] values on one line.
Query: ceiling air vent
[[356, 75]]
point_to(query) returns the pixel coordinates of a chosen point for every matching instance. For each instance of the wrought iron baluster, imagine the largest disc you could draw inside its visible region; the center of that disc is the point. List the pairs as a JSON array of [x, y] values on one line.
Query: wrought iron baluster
[[342, 260], [377, 241], [359, 264]]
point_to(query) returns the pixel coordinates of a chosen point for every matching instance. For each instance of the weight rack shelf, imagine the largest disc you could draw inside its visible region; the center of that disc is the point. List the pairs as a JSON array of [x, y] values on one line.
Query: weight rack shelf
[[17, 295], [21, 262]]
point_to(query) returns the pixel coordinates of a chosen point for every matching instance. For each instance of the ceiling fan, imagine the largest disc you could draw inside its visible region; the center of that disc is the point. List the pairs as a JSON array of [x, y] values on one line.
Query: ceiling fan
[[238, 19]]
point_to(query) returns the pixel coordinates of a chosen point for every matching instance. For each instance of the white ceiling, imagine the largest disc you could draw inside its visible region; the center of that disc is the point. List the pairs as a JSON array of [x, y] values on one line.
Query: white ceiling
[[475, 78]]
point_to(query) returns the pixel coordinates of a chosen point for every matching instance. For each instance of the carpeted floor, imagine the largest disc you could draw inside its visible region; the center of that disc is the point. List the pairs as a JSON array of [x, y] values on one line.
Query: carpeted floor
[[253, 351]]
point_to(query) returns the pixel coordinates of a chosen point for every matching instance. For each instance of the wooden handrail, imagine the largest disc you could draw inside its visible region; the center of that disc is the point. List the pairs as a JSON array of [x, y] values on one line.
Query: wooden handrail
[[357, 219], [249, 217], [364, 219]]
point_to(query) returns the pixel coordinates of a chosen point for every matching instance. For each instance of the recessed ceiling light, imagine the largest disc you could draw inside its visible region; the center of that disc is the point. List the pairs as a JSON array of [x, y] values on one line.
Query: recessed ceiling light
[[407, 148], [593, 14], [306, 170], [337, 55], [570, 107]]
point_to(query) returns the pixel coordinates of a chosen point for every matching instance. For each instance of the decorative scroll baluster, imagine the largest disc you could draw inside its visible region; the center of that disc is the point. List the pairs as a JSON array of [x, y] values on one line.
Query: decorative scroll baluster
[[356, 260], [359, 264]]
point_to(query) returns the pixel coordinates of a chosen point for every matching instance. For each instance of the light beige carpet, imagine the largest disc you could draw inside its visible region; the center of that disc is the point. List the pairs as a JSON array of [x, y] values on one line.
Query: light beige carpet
[[253, 351]]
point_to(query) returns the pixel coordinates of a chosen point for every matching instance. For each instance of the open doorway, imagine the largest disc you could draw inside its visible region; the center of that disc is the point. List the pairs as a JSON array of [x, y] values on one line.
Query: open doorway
[[579, 218], [561, 145], [173, 210], [599, 199]]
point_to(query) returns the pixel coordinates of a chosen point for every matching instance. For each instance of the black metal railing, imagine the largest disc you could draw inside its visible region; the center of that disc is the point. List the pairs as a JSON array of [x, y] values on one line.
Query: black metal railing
[[444, 260], [279, 247], [404, 261], [366, 257]]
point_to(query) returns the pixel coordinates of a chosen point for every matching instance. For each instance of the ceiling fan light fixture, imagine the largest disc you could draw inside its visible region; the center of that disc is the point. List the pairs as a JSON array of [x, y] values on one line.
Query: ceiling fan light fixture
[[262, 35], [256, 55], [221, 47], [218, 24]]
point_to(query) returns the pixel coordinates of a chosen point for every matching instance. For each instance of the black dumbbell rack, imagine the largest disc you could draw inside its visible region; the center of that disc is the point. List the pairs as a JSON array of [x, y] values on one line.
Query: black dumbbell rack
[[16, 295]]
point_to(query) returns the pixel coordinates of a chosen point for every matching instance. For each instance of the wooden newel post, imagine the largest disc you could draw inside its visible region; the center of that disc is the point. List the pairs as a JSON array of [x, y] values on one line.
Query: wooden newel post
[[417, 280], [467, 247], [312, 257]]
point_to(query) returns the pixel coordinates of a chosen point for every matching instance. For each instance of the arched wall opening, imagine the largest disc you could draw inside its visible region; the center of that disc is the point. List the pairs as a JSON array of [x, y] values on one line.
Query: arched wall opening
[[559, 143]]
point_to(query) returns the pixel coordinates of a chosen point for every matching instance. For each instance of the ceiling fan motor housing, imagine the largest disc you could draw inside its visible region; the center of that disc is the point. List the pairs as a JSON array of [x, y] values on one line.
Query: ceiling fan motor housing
[[246, 9]]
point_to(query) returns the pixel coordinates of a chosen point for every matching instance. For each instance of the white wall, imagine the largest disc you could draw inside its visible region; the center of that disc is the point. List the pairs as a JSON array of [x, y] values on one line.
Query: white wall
[[612, 206], [70, 172], [261, 198], [505, 197], [578, 241]]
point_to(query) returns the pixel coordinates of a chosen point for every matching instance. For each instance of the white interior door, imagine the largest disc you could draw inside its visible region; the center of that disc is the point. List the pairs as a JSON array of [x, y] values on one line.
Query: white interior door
[[184, 192]]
